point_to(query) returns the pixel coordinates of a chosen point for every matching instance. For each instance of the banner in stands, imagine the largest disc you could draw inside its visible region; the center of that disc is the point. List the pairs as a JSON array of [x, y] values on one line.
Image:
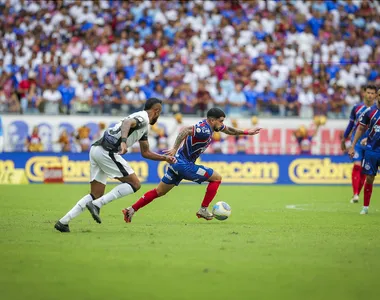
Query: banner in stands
[[276, 136], [237, 169]]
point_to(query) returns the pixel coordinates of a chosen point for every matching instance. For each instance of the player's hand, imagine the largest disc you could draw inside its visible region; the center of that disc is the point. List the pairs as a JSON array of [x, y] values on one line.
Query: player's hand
[[364, 142], [351, 152], [170, 152], [343, 145], [123, 149], [254, 131], [170, 159]]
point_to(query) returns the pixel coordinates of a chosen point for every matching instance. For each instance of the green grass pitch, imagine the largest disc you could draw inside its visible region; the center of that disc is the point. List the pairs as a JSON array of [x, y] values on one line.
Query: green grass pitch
[[281, 242]]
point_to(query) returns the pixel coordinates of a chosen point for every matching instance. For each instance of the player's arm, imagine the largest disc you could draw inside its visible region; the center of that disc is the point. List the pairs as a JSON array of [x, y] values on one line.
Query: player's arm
[[185, 132], [126, 126], [349, 128], [363, 124], [236, 131], [146, 153]]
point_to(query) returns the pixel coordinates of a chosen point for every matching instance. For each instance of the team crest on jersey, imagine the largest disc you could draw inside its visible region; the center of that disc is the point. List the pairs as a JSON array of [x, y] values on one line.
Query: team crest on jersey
[[198, 130]]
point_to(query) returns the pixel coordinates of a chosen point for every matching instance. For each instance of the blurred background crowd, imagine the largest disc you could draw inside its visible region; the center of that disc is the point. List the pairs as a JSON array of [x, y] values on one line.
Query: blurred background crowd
[[267, 58]]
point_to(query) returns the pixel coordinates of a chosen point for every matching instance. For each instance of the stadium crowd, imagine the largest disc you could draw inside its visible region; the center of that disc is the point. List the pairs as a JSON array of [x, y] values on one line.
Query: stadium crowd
[[281, 58]]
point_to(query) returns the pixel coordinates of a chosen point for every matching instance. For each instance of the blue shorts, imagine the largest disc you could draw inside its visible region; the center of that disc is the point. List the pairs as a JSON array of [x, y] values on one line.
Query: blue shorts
[[359, 153], [186, 170], [371, 162]]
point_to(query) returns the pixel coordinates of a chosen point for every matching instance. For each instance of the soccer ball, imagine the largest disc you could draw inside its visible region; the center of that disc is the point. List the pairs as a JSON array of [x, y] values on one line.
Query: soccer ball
[[221, 210]]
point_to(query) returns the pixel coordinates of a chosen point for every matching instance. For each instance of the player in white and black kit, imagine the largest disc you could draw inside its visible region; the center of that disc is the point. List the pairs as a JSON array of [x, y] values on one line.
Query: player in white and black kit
[[106, 161]]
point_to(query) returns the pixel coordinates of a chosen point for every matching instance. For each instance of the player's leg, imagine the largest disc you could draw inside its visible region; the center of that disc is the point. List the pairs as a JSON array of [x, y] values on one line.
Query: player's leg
[[370, 165], [355, 181], [171, 178], [130, 184], [115, 167], [212, 188], [362, 175], [356, 176], [98, 184], [148, 197]]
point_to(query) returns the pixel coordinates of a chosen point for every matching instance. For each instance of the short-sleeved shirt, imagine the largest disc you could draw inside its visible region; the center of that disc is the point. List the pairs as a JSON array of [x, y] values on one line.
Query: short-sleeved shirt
[[371, 119], [197, 143], [111, 139]]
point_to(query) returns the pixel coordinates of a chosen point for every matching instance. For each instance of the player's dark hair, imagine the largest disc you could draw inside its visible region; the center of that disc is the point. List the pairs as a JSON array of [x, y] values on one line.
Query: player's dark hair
[[371, 87], [150, 102], [215, 113]]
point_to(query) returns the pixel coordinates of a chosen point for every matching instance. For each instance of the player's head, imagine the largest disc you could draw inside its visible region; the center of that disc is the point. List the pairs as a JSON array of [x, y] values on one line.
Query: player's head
[[154, 107], [378, 97], [370, 94], [215, 117]]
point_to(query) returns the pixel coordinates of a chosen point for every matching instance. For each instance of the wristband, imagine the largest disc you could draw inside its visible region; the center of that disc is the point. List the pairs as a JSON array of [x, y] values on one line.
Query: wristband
[[124, 140], [245, 132]]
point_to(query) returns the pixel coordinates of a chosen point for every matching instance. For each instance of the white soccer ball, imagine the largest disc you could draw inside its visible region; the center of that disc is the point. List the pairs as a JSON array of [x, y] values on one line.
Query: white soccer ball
[[221, 210]]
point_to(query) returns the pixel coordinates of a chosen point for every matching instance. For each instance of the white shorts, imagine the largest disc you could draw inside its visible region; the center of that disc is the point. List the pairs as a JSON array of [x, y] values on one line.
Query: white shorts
[[105, 164]]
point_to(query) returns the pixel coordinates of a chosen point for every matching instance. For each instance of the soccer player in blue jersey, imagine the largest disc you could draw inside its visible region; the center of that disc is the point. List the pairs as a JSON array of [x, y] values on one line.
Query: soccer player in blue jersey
[[358, 178], [196, 140], [369, 121]]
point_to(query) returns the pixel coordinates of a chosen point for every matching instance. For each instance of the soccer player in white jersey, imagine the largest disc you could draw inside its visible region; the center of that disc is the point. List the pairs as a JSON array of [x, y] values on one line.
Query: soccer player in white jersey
[[106, 161]]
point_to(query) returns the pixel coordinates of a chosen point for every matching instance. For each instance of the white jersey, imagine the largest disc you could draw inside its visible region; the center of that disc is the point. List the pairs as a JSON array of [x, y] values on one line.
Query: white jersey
[[111, 139]]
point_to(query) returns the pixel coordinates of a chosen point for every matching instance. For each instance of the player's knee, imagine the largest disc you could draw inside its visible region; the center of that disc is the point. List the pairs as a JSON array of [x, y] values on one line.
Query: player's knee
[[370, 179], [135, 185], [217, 177], [160, 193], [96, 194]]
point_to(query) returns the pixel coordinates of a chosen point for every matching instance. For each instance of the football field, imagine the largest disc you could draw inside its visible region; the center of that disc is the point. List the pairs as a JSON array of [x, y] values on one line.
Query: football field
[[281, 242]]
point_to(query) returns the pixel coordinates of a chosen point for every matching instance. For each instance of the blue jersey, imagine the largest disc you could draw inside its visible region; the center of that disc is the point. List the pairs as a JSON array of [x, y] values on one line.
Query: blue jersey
[[355, 115], [197, 143], [371, 119]]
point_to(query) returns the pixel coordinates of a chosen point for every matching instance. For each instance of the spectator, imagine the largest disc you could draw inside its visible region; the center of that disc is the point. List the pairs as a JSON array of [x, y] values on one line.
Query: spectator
[[292, 104], [320, 101], [83, 98], [351, 99], [51, 100], [68, 93], [204, 98], [136, 99], [337, 101], [188, 101], [306, 101], [236, 101], [219, 97], [173, 44]]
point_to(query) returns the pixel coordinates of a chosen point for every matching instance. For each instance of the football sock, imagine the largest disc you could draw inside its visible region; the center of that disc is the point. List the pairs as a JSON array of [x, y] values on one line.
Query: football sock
[[145, 199], [362, 180], [119, 191], [77, 209], [356, 171], [211, 191], [367, 193]]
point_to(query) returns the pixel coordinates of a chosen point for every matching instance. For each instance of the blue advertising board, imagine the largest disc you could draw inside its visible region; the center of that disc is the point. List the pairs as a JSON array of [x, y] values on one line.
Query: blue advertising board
[[235, 169]]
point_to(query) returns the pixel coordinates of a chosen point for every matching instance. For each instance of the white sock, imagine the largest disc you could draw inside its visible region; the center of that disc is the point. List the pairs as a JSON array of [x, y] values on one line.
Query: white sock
[[76, 210], [119, 191]]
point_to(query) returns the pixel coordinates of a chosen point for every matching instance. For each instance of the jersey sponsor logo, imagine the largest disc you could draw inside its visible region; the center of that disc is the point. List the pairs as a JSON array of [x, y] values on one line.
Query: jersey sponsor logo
[[201, 172]]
